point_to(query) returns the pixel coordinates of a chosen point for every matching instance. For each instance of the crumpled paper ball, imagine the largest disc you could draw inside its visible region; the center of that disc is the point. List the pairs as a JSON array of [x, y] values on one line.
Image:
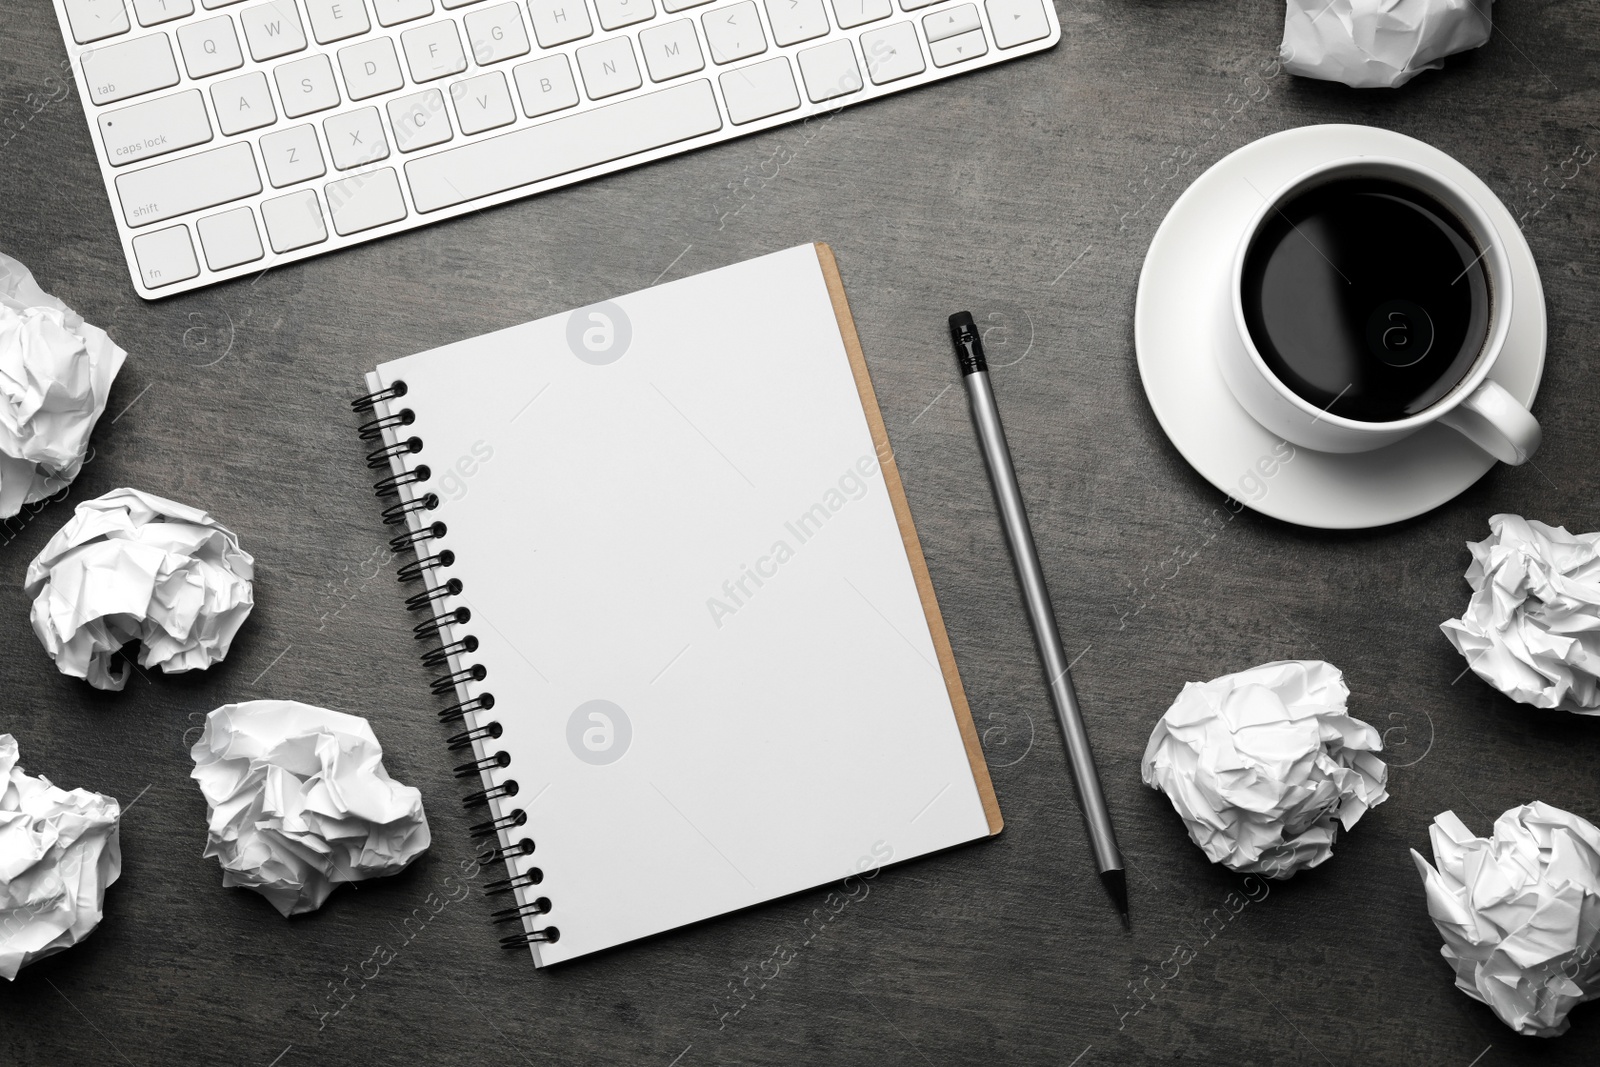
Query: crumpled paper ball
[[1532, 627], [131, 566], [300, 802], [55, 376], [1266, 764], [58, 852], [1376, 44], [1519, 912]]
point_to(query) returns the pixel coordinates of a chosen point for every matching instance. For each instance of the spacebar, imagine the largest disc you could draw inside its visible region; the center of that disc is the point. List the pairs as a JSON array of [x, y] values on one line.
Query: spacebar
[[584, 140]]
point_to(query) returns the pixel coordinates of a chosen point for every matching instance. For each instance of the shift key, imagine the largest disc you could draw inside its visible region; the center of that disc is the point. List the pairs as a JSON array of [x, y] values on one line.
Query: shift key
[[202, 180]]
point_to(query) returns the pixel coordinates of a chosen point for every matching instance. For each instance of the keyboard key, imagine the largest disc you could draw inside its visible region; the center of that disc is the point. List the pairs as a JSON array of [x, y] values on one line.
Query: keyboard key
[[356, 137], [759, 90], [483, 103], [892, 53], [419, 120], [272, 29], [95, 20], [433, 51], [958, 49], [210, 47], [365, 201], [684, 5], [545, 85], [155, 12], [394, 12], [451, 5], [165, 257], [496, 33], [335, 20], [912, 5], [672, 50], [860, 12], [243, 103], [187, 184], [734, 32], [829, 70], [129, 68], [794, 21], [950, 22], [230, 238], [615, 14], [293, 221], [608, 68], [306, 86], [559, 21], [1015, 22], [154, 127], [209, 4], [370, 68], [292, 156], [561, 146]]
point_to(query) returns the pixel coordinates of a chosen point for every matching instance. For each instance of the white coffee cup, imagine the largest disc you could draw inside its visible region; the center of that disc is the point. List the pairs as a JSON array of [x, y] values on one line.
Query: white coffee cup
[[1477, 407]]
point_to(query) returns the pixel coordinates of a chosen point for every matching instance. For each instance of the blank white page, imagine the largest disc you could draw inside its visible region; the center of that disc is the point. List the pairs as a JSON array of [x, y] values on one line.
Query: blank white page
[[698, 532]]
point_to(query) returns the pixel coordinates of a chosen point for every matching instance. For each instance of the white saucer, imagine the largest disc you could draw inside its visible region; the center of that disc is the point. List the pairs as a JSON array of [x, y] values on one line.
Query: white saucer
[[1186, 274]]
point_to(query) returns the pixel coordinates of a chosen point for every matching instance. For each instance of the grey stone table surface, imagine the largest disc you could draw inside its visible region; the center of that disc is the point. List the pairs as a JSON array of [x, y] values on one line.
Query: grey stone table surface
[[1029, 194]]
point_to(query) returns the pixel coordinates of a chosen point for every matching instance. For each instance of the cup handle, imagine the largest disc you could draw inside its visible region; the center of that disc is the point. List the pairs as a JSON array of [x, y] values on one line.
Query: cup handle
[[1492, 419]]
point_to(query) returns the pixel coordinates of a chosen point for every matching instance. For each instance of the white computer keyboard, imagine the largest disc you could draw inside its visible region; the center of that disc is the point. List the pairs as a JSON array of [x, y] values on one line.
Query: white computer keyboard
[[239, 135]]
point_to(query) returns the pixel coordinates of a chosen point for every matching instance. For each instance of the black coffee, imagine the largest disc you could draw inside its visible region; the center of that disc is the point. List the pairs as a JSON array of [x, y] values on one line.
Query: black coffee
[[1366, 297]]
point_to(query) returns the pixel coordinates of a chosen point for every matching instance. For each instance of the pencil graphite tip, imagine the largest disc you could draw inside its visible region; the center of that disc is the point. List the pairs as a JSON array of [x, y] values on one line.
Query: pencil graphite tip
[[1116, 883]]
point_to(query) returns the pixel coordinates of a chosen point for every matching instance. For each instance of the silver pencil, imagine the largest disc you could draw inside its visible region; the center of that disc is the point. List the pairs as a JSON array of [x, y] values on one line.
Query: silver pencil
[[1035, 595]]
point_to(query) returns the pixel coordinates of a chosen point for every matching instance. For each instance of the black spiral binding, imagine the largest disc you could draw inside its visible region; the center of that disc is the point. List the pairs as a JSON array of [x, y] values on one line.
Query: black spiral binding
[[458, 712], [373, 431], [441, 619], [408, 540], [394, 516], [467, 737], [413, 570], [441, 655]]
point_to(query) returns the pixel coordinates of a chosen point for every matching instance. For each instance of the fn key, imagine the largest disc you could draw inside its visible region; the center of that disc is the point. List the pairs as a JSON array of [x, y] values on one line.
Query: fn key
[[165, 257]]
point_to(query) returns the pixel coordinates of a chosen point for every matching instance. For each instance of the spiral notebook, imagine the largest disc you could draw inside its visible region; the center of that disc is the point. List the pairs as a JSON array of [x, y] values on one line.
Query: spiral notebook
[[680, 617]]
